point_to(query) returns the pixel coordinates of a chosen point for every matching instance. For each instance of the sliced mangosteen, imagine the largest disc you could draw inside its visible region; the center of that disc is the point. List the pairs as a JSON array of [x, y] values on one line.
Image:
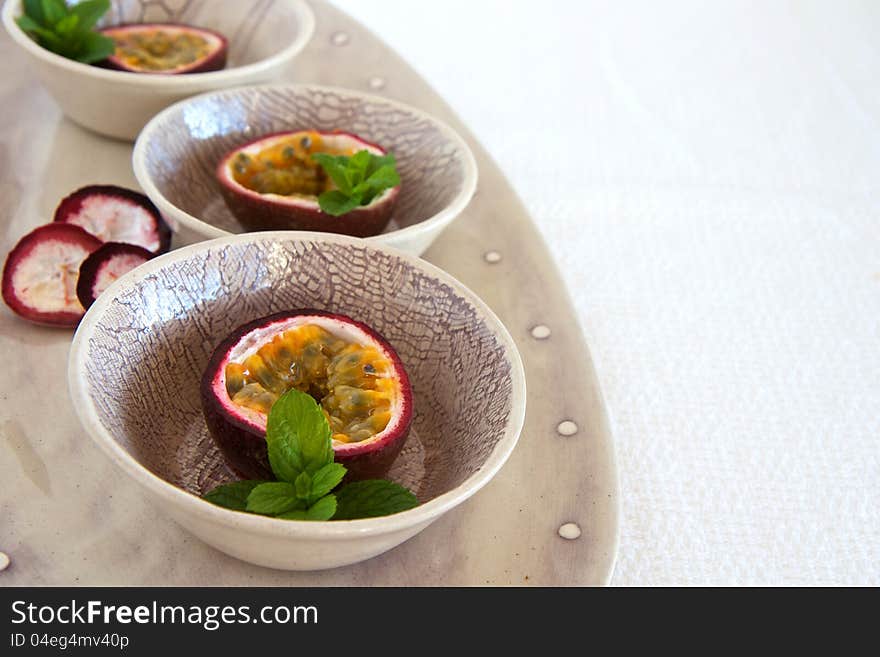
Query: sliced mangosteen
[[104, 265], [116, 214], [165, 48], [41, 271], [350, 370], [273, 183]]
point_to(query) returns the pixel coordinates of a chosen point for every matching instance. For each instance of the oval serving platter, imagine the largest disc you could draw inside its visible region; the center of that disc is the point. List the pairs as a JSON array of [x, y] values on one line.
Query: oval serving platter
[[550, 516]]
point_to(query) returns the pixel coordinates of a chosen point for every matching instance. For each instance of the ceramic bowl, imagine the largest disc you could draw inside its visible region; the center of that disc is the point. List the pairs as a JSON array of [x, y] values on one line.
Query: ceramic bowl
[[264, 37], [139, 353], [175, 157]]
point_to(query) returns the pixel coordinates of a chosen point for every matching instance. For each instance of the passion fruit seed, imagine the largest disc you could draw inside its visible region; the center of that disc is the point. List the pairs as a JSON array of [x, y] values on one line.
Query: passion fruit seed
[[352, 382]]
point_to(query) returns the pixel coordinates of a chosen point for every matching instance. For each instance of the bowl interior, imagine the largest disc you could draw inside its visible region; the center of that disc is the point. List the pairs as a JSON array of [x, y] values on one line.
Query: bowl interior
[[149, 341], [254, 30], [182, 147]]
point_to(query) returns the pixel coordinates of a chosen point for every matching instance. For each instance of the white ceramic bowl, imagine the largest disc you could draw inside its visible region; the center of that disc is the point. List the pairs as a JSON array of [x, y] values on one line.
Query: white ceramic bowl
[[264, 37], [138, 355], [177, 153]]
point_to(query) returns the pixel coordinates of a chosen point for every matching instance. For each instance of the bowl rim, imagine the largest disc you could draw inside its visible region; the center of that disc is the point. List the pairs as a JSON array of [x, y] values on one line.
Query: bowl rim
[[262, 525], [203, 228], [228, 76]]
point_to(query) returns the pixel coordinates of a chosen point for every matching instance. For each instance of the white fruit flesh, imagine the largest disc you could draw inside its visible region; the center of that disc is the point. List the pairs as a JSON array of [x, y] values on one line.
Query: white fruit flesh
[[113, 269], [112, 219], [45, 280]]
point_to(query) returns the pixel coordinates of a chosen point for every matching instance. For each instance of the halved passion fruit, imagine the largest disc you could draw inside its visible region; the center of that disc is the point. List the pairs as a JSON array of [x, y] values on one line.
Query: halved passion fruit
[[104, 265], [350, 370], [116, 214], [273, 184], [165, 48], [41, 272]]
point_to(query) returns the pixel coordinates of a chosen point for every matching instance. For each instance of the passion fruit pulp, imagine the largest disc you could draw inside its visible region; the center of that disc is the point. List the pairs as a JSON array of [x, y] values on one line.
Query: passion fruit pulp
[[273, 183], [351, 371], [165, 48]]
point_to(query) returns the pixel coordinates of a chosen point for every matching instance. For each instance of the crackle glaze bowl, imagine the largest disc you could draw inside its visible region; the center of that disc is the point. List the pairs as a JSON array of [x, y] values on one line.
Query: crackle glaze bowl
[[139, 353], [264, 37], [176, 155]]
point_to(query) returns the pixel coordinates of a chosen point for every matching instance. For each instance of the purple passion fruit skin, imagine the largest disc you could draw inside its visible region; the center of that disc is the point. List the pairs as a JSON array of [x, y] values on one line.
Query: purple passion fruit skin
[[41, 271], [165, 49], [352, 371], [116, 214], [272, 183], [104, 265]]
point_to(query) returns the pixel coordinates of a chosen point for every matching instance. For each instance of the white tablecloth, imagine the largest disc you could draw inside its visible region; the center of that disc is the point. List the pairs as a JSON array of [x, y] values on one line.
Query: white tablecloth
[[708, 176]]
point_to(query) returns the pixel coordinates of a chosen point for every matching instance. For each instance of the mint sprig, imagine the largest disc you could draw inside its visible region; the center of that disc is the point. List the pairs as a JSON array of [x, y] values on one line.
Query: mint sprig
[[359, 179], [300, 449], [67, 29]]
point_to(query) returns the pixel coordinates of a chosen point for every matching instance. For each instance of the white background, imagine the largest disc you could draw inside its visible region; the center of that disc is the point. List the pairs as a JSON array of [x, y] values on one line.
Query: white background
[[708, 176]]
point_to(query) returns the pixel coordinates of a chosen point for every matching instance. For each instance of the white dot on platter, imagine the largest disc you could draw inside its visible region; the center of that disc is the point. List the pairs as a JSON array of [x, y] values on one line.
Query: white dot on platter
[[376, 82], [541, 332], [570, 531], [339, 39], [4, 561], [492, 257], [566, 428]]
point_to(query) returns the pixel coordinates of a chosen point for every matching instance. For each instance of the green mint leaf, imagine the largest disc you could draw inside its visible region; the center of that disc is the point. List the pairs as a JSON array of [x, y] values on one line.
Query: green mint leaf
[[273, 498], [95, 47], [353, 178], [67, 25], [325, 480], [54, 11], [357, 168], [51, 41], [372, 498], [377, 161], [360, 161], [232, 496], [337, 203], [385, 177], [303, 486], [335, 166], [298, 436], [323, 509], [45, 37], [90, 12], [34, 10], [28, 24]]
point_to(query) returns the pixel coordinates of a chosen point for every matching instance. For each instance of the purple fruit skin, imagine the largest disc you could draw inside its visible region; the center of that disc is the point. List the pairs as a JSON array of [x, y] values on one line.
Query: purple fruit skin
[[91, 267], [262, 214], [244, 448]]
